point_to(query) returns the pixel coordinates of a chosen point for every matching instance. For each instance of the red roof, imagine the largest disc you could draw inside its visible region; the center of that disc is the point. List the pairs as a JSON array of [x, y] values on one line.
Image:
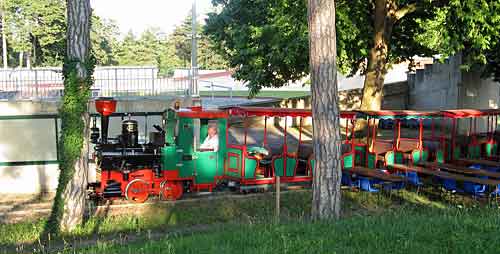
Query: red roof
[[281, 112], [210, 114], [463, 113]]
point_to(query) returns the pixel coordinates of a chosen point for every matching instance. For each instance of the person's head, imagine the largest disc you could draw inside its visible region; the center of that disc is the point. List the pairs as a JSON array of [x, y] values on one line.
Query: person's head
[[212, 131]]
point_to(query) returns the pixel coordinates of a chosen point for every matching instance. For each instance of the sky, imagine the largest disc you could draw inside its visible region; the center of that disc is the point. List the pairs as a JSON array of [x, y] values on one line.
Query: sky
[[137, 15]]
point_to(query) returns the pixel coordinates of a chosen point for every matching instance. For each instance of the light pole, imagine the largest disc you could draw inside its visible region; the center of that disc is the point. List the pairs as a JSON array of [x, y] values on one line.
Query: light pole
[[194, 54]]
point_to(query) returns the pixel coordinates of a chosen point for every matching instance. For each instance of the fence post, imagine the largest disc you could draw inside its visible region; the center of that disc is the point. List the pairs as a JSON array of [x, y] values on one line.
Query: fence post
[[116, 80], [278, 194], [152, 81], [36, 83], [212, 85]]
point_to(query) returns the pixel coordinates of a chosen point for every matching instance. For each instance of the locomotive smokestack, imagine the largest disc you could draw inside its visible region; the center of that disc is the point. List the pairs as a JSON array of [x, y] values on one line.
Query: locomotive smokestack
[[104, 129], [105, 106]]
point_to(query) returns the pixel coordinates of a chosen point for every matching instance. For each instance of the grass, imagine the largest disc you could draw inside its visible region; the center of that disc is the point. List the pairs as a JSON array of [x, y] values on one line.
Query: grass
[[163, 217], [228, 220], [407, 231], [264, 93]]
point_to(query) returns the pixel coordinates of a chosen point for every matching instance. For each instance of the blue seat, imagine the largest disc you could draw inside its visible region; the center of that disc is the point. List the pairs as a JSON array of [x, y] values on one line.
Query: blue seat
[[413, 178], [395, 185], [496, 192], [450, 185], [475, 188], [493, 169], [365, 185], [347, 180]]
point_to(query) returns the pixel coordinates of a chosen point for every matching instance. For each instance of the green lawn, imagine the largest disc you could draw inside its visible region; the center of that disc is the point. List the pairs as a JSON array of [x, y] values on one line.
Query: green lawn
[[232, 224], [265, 93], [404, 231]]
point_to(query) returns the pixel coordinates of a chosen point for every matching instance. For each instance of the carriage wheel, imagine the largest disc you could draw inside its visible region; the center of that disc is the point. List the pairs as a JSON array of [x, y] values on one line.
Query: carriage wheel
[[137, 191], [171, 191]]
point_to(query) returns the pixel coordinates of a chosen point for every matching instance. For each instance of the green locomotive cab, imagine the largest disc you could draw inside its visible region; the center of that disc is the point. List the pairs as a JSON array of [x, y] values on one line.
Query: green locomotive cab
[[184, 158]]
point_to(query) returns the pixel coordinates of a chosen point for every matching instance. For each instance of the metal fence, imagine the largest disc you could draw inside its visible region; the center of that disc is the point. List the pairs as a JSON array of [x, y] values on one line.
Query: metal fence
[[47, 83]]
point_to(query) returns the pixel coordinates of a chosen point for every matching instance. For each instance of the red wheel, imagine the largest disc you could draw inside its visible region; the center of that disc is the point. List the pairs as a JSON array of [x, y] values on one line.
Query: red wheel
[[171, 190], [137, 191]]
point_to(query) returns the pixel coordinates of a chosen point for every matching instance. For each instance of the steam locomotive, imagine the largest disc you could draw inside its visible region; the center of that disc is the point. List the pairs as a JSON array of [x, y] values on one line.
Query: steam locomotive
[[166, 166]]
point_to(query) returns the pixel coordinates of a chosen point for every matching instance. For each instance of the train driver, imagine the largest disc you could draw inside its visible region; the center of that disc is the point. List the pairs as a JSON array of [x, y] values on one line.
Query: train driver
[[211, 142]]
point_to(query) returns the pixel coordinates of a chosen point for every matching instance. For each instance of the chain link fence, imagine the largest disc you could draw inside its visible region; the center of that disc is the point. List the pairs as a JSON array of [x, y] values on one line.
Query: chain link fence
[[47, 83]]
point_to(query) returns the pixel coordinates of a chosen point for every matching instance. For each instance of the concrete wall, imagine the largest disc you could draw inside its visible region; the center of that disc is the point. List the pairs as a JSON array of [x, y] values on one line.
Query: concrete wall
[[28, 152], [476, 92], [395, 97], [435, 86], [445, 86], [28, 155]]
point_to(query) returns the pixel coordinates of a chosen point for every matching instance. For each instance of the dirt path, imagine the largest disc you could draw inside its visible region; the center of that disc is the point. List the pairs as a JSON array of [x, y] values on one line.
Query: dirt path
[[119, 238]]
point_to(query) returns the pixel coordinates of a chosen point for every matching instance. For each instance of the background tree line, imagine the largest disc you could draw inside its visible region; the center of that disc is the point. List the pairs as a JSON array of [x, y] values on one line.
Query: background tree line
[[35, 37]]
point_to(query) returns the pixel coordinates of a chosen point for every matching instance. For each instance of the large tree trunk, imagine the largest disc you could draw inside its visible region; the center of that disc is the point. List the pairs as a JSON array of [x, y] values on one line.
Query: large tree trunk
[[325, 110], [377, 61], [78, 50], [76, 190], [78, 34], [69, 203]]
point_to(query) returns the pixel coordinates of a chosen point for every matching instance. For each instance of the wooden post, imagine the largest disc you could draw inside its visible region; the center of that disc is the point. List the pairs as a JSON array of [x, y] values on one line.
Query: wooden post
[[278, 196]]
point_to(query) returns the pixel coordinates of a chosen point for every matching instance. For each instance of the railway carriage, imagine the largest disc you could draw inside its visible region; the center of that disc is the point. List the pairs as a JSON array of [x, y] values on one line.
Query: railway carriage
[[173, 161]]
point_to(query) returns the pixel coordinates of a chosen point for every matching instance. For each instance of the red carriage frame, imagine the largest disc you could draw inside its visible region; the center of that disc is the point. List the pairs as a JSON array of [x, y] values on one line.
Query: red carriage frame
[[267, 112]]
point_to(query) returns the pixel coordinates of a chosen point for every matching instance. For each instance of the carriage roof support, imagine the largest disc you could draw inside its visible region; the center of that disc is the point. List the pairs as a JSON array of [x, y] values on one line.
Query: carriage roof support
[[397, 116], [265, 132], [472, 114], [267, 112]]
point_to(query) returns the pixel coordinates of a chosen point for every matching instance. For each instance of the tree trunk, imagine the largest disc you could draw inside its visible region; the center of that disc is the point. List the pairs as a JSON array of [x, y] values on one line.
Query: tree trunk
[[69, 204], [4, 42], [21, 59], [377, 61], [28, 60], [325, 110], [74, 196], [35, 57], [78, 50]]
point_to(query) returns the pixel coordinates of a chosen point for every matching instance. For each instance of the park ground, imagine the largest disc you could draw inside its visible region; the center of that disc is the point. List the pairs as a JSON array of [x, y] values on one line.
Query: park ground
[[430, 221]]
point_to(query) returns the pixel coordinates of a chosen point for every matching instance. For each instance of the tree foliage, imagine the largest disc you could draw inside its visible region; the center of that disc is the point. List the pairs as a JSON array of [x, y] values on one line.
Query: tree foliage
[[104, 36], [181, 41], [265, 41], [37, 29], [473, 28]]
